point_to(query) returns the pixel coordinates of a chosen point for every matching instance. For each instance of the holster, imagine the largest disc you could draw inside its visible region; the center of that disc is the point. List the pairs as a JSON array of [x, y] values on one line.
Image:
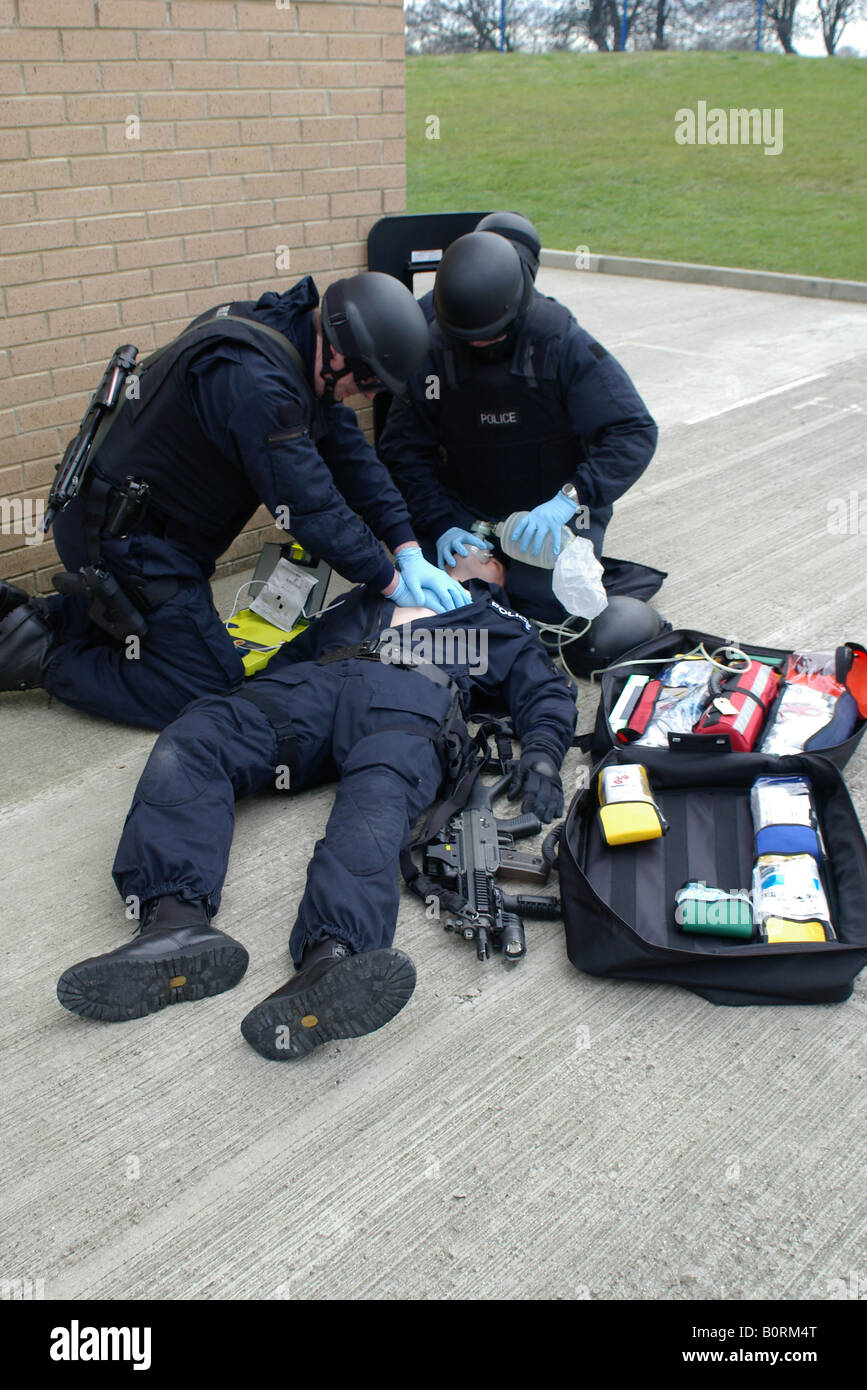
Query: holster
[[116, 511]]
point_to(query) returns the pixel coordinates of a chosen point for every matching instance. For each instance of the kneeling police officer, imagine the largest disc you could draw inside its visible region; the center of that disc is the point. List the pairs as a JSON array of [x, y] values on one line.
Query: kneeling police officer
[[243, 407], [325, 708], [528, 412]]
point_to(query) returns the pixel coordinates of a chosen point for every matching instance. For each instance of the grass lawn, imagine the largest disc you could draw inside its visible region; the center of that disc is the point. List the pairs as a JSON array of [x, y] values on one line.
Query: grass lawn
[[584, 145]]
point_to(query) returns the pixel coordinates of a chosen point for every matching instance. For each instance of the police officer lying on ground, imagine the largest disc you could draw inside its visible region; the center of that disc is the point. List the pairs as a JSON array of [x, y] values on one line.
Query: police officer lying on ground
[[516, 408], [243, 408], [379, 728]]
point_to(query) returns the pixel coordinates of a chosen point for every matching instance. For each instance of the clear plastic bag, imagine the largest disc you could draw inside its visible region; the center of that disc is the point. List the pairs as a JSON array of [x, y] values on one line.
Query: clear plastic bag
[[577, 580], [801, 713], [677, 710]]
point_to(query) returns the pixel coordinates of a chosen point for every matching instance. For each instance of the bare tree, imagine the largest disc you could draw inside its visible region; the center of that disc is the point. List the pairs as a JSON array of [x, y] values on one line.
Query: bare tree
[[460, 26], [782, 13], [663, 10], [835, 15], [600, 21]]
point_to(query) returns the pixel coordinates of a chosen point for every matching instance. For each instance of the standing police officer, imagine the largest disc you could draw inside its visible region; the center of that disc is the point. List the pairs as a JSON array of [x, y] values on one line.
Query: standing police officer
[[516, 408], [242, 408]]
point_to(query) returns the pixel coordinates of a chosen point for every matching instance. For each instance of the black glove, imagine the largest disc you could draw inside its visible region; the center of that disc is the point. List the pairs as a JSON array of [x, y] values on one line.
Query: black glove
[[537, 777]]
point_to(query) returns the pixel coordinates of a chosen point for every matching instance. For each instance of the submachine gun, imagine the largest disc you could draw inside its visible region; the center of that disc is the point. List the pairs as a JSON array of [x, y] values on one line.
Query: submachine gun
[[72, 469], [461, 863]]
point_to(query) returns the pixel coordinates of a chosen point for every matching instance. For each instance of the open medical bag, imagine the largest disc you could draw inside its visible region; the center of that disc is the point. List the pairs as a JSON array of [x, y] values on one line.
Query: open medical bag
[[756, 698], [619, 903]]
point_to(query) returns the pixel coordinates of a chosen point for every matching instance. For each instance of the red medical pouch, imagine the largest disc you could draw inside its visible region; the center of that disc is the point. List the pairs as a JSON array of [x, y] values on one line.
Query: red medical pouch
[[751, 692], [641, 715]]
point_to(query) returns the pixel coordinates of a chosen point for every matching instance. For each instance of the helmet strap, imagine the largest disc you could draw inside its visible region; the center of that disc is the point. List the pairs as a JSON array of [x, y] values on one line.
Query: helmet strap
[[329, 373]]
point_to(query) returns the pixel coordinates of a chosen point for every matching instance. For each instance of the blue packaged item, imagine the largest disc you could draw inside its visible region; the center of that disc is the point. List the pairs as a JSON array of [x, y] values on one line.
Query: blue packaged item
[[783, 816]]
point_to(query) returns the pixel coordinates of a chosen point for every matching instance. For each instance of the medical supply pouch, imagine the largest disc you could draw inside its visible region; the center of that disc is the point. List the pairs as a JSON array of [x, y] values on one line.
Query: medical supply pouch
[[627, 810], [739, 705], [784, 821], [621, 905], [664, 659]]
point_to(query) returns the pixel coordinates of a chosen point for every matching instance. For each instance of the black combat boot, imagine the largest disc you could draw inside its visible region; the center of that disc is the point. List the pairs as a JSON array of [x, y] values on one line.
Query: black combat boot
[[177, 956], [334, 995], [10, 597], [25, 644]]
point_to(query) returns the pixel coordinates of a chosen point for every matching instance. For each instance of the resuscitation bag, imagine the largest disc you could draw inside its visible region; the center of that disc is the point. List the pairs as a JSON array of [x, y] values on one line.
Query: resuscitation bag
[[620, 900]]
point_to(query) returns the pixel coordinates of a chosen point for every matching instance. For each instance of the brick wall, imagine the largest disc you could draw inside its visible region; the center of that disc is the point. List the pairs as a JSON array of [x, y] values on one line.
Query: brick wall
[[155, 154]]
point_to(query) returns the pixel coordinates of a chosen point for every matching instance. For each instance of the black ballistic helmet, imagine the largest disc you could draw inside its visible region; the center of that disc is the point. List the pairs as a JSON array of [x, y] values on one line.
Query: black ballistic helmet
[[520, 232], [620, 627], [378, 326], [480, 287]]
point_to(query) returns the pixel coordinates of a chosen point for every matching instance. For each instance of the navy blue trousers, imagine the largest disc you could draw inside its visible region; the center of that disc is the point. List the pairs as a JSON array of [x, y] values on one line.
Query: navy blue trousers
[[186, 652], [369, 725]]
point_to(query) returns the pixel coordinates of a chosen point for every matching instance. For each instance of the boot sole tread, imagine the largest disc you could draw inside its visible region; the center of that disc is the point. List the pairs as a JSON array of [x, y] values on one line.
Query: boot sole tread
[[115, 990], [358, 996]]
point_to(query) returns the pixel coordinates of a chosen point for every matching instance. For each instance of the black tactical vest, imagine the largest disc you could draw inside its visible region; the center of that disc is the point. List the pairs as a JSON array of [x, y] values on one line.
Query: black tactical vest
[[157, 438], [506, 439]]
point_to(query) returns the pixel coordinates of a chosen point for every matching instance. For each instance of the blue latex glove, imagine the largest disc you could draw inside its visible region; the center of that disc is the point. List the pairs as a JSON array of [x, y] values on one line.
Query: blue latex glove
[[547, 517], [454, 542], [428, 586]]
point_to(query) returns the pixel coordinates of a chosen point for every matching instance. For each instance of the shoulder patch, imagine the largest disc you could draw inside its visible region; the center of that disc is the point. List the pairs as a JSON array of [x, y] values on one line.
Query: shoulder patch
[[509, 613]]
